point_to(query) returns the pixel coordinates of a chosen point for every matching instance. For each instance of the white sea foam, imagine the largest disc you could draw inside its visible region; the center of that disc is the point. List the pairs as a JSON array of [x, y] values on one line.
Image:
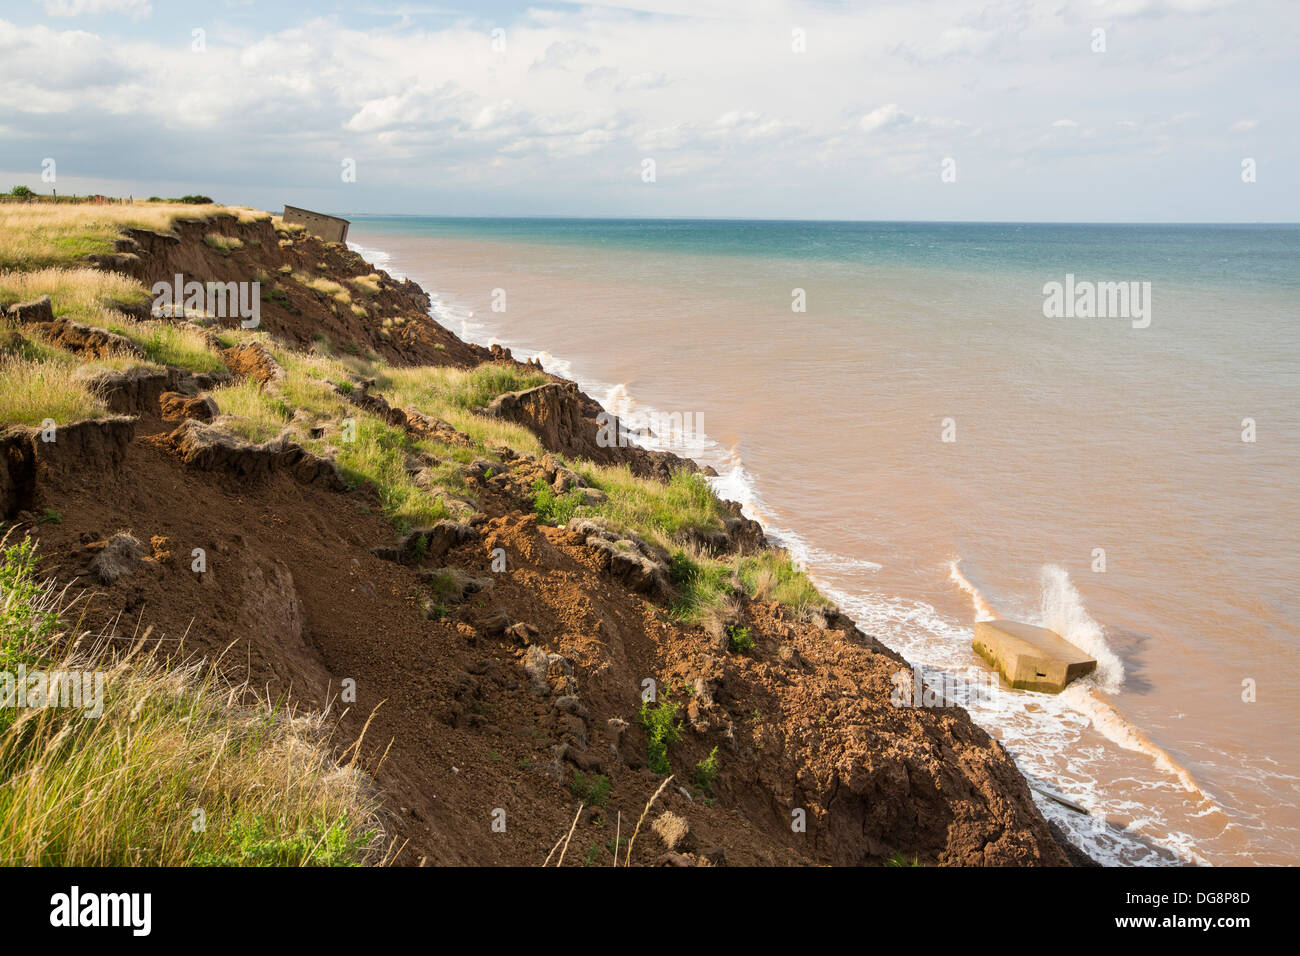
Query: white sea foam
[[379, 259], [1062, 611]]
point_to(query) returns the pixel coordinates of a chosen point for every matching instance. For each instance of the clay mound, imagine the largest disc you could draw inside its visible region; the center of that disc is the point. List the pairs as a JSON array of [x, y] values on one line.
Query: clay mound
[[739, 535], [255, 361], [131, 391], [87, 340], [176, 407], [565, 421], [422, 426], [426, 544], [208, 447], [32, 457], [77, 446], [37, 311], [626, 558]]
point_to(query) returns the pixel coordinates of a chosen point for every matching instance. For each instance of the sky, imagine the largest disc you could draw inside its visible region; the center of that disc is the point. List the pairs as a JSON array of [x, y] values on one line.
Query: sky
[[1000, 110]]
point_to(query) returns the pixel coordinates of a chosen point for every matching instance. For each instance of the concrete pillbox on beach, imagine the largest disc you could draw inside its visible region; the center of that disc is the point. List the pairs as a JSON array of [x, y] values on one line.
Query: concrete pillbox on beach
[[1029, 657]]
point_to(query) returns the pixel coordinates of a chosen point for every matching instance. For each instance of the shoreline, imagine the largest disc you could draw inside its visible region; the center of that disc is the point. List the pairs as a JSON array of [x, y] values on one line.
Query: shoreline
[[734, 478]]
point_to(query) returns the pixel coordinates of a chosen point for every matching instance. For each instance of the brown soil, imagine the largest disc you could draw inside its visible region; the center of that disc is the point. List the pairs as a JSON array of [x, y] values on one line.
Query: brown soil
[[489, 696]]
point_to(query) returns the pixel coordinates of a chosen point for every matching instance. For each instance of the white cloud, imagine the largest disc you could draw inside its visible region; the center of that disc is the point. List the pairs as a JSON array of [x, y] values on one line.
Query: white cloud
[[713, 91], [884, 117], [135, 9]]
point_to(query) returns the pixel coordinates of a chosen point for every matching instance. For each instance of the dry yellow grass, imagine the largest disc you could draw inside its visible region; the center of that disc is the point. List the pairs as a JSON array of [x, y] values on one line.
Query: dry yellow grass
[[35, 235], [87, 295], [223, 243], [32, 391], [671, 828], [324, 287], [367, 285]]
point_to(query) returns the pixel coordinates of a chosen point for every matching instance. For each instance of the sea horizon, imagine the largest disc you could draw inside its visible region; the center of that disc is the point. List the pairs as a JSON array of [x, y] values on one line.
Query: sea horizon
[[784, 219]]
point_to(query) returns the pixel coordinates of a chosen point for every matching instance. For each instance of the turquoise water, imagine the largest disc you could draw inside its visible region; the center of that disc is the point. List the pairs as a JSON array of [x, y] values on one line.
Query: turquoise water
[[1243, 256]]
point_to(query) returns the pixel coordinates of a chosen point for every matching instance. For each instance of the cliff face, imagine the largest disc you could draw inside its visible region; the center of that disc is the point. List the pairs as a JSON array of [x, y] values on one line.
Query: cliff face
[[497, 663]]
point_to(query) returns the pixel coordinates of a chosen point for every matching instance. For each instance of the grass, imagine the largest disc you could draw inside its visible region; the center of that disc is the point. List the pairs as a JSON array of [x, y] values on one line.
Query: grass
[[660, 512], [226, 244], [32, 391], [38, 235], [479, 386], [324, 287], [707, 587], [250, 411], [86, 295], [90, 296], [555, 509], [19, 342], [378, 455], [180, 768], [287, 228], [701, 584], [773, 576], [458, 388], [169, 343], [368, 286], [310, 382], [256, 841], [449, 394]]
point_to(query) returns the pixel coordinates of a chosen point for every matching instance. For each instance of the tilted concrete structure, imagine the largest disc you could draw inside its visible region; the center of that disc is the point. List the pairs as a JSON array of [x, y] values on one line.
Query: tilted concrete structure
[[1029, 657], [329, 228]]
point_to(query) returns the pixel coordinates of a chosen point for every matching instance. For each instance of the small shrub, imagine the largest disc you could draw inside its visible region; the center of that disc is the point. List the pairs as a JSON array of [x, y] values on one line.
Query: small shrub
[[592, 790], [706, 771], [739, 639], [661, 729]]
